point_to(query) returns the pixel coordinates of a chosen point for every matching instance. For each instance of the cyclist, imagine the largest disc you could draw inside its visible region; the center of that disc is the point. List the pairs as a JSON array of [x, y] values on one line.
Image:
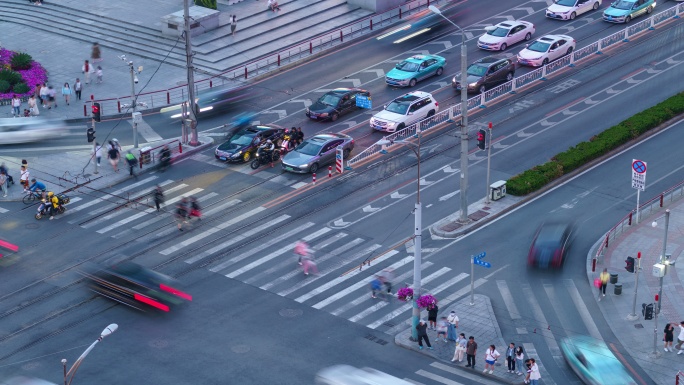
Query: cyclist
[[54, 204], [195, 210], [38, 187], [182, 213]]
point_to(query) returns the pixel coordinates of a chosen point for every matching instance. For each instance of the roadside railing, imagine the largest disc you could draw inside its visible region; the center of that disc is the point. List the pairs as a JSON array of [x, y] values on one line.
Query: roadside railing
[[274, 61], [533, 76], [150, 155]]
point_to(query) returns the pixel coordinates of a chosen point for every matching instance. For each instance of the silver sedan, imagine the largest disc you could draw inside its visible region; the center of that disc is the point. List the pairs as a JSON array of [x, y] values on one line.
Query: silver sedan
[[317, 151]]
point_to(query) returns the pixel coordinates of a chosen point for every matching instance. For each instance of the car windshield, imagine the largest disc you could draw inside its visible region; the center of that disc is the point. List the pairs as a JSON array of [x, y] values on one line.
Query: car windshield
[[408, 66], [567, 3], [329, 99], [397, 107], [242, 138], [623, 4], [477, 70], [308, 148], [499, 32], [539, 46]]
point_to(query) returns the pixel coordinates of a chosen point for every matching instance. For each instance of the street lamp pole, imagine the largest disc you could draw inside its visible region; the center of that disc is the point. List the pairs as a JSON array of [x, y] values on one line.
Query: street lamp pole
[[659, 296], [192, 107], [69, 376], [464, 118]]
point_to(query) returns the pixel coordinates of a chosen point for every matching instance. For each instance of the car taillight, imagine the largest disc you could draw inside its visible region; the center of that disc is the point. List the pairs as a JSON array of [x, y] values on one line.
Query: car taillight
[[175, 292], [557, 258], [436, 104], [150, 302], [530, 256]]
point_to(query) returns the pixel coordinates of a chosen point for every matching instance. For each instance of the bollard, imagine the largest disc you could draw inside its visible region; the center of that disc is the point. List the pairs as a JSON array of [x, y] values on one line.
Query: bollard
[[310, 47], [278, 60], [329, 171], [85, 110], [211, 84], [399, 12], [613, 278], [593, 265], [629, 223], [661, 199], [341, 37], [314, 178], [245, 72], [168, 97], [92, 97], [371, 24], [180, 148], [617, 290], [118, 105]]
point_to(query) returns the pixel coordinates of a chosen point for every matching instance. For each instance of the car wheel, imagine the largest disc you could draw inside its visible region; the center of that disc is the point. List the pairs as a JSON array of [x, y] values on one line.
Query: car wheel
[[247, 156], [334, 116], [440, 71], [572, 16], [345, 153], [545, 62], [276, 155], [569, 51], [528, 36], [503, 47], [596, 6], [628, 19], [400, 126], [412, 83], [482, 89], [649, 10], [430, 113], [509, 77], [314, 168]]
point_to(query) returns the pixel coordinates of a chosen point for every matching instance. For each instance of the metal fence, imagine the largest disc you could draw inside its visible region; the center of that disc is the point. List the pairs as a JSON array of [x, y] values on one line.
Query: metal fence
[[533, 76]]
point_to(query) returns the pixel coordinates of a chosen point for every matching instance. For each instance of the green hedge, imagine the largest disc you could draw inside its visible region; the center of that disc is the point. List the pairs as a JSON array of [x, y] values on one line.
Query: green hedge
[[20, 88], [584, 152]]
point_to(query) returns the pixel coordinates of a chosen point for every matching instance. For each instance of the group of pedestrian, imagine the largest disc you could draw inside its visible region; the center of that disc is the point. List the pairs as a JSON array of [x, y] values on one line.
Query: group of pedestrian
[[382, 283], [186, 209], [5, 179], [669, 337], [273, 4], [296, 136]]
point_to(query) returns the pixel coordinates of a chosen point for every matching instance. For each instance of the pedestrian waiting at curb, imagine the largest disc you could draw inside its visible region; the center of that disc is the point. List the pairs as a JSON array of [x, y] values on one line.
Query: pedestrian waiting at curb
[[534, 372], [442, 328], [452, 319], [668, 337], [471, 351], [99, 74], [52, 93], [510, 357], [33, 106], [113, 155], [680, 338], [24, 178], [460, 350], [44, 95], [3, 183], [233, 24], [16, 106], [87, 70], [491, 356], [432, 316], [421, 329], [97, 152], [519, 357]]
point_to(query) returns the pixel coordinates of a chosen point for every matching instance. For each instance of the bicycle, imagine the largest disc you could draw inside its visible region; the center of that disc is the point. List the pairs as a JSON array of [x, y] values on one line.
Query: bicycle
[[32, 196]]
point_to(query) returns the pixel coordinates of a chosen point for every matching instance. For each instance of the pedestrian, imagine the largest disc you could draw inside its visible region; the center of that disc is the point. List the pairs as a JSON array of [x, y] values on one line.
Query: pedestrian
[[3, 183], [534, 372], [680, 338], [158, 195], [95, 54], [181, 213], [452, 319], [77, 88], [421, 328], [491, 356], [300, 136], [113, 156], [376, 286], [510, 357], [233, 24], [460, 350], [66, 92], [442, 328], [4, 168], [519, 357], [195, 210], [44, 95], [668, 337], [36, 92], [386, 277], [603, 277], [51, 97], [16, 106], [99, 74], [273, 4], [432, 316], [33, 106], [528, 366], [471, 351], [24, 178], [87, 70], [132, 162], [301, 249], [309, 263], [97, 151]]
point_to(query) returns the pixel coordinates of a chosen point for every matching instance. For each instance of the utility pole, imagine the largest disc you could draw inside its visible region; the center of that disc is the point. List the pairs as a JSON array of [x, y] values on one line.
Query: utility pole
[[192, 116], [489, 161], [464, 130], [134, 103]]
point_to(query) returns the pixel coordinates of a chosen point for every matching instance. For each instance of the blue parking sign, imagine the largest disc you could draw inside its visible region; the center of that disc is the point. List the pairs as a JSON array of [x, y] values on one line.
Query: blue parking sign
[[363, 101]]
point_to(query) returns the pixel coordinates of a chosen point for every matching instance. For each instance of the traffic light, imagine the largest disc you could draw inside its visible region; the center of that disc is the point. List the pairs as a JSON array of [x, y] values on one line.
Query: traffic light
[[629, 264], [481, 135], [96, 112], [91, 134]]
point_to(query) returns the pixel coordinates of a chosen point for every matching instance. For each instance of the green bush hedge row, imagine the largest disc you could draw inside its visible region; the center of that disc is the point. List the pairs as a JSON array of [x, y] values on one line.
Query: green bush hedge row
[[584, 152]]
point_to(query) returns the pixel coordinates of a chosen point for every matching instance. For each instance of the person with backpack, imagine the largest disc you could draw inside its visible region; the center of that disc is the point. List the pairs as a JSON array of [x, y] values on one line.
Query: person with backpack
[[132, 162]]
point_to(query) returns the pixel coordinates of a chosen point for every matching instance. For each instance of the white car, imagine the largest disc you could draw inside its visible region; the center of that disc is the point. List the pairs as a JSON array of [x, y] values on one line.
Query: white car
[[33, 129], [546, 49], [569, 9], [404, 111], [349, 375], [501, 36]]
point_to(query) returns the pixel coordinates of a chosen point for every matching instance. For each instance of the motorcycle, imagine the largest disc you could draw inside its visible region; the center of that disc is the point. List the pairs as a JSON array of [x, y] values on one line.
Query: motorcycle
[[263, 159], [288, 144], [44, 207]]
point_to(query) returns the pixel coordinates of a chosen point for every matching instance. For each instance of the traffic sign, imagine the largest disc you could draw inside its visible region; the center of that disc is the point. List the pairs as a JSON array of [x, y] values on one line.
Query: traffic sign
[[363, 101], [477, 260], [638, 174]]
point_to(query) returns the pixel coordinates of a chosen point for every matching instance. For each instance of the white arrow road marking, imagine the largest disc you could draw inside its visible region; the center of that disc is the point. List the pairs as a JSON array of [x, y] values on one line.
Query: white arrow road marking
[[567, 112], [418, 52], [590, 102], [529, 10], [447, 44], [498, 145], [370, 209], [672, 61], [652, 71], [546, 123], [522, 134], [438, 84], [340, 223], [449, 170], [448, 196], [469, 35], [379, 72], [355, 82], [349, 123], [612, 91], [424, 182], [632, 81], [397, 195], [281, 113], [307, 102]]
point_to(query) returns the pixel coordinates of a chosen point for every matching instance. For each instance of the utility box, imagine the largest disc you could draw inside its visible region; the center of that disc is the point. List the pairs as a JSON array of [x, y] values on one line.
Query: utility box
[[145, 155], [658, 270], [137, 117], [201, 20], [497, 190]]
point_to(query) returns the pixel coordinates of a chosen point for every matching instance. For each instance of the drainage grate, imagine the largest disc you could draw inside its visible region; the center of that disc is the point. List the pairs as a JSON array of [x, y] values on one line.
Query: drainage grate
[[375, 339], [639, 326], [389, 324]]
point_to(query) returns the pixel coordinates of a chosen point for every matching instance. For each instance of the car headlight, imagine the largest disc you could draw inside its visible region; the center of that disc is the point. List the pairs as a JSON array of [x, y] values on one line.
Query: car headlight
[[453, 80], [391, 124], [237, 154], [372, 120], [323, 115], [307, 111], [472, 85]]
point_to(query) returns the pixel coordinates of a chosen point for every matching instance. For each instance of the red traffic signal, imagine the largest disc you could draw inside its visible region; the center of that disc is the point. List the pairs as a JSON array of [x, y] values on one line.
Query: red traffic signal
[[656, 297], [96, 112], [481, 135]]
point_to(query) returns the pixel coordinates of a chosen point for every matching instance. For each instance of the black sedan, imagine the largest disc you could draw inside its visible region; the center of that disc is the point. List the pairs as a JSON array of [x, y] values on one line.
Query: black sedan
[[136, 286], [550, 245], [335, 103], [243, 142]]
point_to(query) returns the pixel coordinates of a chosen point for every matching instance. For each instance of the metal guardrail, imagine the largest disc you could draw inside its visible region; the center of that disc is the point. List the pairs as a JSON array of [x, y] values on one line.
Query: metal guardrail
[[536, 75], [272, 62]]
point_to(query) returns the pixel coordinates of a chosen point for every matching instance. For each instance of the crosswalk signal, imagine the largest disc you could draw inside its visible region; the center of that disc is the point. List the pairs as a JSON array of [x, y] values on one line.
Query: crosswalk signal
[[629, 264], [91, 134], [481, 135], [96, 112]]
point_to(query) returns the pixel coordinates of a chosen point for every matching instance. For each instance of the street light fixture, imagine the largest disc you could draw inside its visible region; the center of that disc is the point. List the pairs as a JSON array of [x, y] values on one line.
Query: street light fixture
[[417, 244], [72, 372], [464, 118]]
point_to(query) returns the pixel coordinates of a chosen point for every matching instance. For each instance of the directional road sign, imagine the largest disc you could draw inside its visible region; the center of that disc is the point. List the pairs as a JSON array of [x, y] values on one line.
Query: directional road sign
[[638, 174], [477, 260]]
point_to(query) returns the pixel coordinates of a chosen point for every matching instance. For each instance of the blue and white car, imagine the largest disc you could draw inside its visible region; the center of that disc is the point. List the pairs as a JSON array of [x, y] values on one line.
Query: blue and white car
[[569, 9], [623, 11], [413, 69]]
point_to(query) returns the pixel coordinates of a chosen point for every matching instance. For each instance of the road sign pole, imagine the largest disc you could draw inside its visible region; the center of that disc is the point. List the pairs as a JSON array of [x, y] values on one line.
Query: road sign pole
[[472, 280], [637, 209]]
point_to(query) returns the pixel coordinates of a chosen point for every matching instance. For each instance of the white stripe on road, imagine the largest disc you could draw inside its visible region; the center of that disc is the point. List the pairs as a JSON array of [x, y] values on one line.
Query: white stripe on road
[[201, 199], [3, 210], [117, 192], [147, 132], [222, 206], [212, 230], [582, 309], [538, 315], [437, 378], [259, 248], [463, 373], [508, 299], [343, 278]]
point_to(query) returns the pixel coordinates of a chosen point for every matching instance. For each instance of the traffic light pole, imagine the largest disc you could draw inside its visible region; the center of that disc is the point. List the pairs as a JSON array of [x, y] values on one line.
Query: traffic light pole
[[634, 316], [94, 147], [489, 160], [191, 76]]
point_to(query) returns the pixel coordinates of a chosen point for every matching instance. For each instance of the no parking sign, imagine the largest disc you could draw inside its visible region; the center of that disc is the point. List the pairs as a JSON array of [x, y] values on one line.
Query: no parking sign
[[638, 174]]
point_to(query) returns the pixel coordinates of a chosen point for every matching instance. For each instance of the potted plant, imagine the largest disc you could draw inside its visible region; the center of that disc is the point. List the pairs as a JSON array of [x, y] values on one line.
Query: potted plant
[[405, 294], [427, 301]]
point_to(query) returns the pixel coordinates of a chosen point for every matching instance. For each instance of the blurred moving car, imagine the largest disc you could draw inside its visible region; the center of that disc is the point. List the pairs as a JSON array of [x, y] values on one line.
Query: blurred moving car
[[593, 362], [404, 111], [415, 68], [349, 375], [317, 151], [569, 9], [21, 380], [550, 245], [136, 286], [505, 34], [487, 72], [623, 11], [214, 100], [335, 103], [546, 49], [243, 142], [33, 129]]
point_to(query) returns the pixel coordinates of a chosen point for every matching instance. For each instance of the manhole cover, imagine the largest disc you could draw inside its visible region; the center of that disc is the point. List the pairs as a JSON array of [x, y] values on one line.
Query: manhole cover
[[289, 313], [32, 226], [159, 343], [240, 349], [30, 366]]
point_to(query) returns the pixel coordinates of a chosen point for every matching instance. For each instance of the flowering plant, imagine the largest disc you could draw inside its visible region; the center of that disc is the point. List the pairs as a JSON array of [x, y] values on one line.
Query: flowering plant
[[404, 294], [32, 76], [427, 301]]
